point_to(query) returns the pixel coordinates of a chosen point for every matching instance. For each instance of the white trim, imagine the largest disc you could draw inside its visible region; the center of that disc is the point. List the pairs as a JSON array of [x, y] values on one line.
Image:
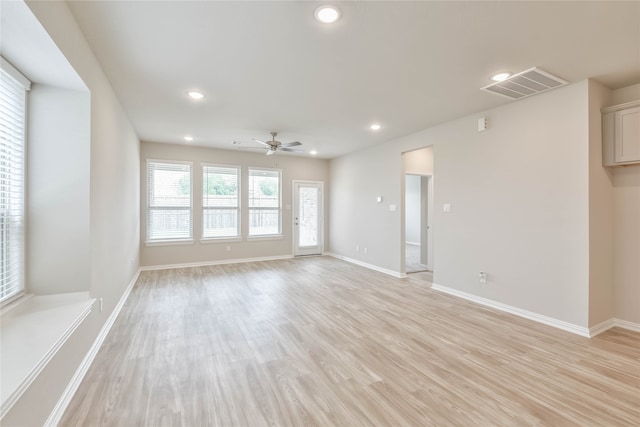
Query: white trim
[[625, 324], [169, 242], [46, 358], [259, 237], [249, 208], [602, 327], [210, 240], [530, 315], [366, 265], [218, 262], [14, 73], [321, 218], [412, 243], [238, 206], [78, 376], [612, 323]]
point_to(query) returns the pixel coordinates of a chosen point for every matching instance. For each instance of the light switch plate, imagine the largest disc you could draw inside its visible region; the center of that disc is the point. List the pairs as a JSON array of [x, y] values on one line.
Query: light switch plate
[[393, 208], [446, 208]]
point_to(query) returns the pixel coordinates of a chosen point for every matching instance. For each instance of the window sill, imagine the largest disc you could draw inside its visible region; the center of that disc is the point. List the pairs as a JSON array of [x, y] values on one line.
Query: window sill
[[267, 237], [33, 329], [169, 242], [209, 240]]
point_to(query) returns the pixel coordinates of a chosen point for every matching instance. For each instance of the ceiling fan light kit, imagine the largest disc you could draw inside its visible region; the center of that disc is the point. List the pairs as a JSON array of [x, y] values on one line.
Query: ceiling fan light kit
[[273, 145]]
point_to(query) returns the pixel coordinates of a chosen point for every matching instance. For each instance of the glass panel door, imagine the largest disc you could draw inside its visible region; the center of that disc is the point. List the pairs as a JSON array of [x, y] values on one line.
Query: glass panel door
[[307, 218]]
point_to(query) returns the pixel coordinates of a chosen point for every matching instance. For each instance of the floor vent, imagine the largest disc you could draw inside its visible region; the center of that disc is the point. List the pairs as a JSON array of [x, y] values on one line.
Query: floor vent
[[526, 83]]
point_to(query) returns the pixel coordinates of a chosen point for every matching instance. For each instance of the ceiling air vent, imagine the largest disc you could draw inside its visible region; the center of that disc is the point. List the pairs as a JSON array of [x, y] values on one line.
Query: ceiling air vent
[[526, 83]]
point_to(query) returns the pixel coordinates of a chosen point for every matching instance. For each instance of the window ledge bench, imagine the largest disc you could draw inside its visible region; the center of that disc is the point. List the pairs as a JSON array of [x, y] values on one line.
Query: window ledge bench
[[32, 330]]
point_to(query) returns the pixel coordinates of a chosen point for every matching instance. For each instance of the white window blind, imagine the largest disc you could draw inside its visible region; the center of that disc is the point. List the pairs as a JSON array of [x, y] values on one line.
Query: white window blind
[[13, 90], [220, 201], [264, 202], [168, 201]]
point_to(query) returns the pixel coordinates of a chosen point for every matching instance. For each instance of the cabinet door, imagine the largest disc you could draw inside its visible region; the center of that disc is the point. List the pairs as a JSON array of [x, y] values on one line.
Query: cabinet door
[[627, 135]]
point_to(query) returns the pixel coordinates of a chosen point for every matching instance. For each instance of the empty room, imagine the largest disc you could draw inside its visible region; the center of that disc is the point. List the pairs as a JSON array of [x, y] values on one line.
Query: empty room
[[309, 213]]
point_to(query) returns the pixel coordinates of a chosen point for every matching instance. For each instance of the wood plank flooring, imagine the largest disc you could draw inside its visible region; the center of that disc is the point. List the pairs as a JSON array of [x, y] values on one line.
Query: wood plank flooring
[[320, 342]]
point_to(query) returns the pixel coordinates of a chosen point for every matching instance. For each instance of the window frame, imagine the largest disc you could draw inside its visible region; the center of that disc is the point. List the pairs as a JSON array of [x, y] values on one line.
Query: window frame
[[277, 235], [17, 291], [149, 208], [238, 207]]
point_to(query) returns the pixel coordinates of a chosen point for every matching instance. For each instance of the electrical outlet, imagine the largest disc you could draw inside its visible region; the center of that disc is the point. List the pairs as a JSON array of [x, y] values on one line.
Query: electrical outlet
[[365, 251], [357, 248], [482, 277], [228, 248]]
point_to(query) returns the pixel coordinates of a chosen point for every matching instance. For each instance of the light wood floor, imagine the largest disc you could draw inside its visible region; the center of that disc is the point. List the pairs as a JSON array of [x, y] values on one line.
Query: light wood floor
[[317, 341]]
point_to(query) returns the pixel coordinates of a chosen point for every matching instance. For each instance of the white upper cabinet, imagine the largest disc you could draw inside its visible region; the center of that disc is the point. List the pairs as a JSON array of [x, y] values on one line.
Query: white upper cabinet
[[621, 134]]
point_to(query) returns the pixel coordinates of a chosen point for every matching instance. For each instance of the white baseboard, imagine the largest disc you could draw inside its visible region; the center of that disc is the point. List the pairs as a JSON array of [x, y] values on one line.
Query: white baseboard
[[78, 376], [366, 265], [612, 323], [625, 324], [219, 262], [601, 327], [550, 321]]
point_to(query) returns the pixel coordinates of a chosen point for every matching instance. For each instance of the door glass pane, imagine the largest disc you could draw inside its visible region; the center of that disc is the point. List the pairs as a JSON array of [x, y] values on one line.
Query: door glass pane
[[308, 217]]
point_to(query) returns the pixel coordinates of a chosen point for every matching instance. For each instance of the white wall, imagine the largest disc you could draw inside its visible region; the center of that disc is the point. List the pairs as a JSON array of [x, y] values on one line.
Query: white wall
[[293, 168], [519, 193], [412, 209], [114, 212], [626, 229], [357, 220], [58, 239], [419, 162], [600, 213]]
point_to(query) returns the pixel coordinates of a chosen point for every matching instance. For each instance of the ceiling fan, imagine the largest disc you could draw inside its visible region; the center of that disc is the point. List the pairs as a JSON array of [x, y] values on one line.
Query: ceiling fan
[[273, 145]]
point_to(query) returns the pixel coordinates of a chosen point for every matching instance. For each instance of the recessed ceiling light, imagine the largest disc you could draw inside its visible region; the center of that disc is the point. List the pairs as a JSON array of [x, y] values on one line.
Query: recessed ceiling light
[[188, 138], [500, 77], [375, 126], [313, 152], [195, 95], [327, 14]]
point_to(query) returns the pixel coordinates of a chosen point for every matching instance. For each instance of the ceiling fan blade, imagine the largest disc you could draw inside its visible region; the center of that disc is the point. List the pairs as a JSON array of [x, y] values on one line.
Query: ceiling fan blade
[[291, 144], [261, 142], [293, 150]]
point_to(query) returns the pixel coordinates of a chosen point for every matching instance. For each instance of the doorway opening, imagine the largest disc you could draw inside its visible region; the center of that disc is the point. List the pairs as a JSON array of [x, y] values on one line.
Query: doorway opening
[[417, 223], [418, 211]]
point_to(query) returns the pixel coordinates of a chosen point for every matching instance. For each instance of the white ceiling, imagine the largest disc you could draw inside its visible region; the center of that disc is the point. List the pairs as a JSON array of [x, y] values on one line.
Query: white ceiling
[[407, 65]]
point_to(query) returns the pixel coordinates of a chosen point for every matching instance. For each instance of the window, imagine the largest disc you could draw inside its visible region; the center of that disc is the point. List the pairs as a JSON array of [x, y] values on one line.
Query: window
[[13, 99], [169, 201], [264, 202], [220, 201]]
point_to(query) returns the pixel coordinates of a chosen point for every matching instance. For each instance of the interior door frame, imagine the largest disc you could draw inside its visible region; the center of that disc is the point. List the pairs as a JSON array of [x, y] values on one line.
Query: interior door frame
[[294, 199]]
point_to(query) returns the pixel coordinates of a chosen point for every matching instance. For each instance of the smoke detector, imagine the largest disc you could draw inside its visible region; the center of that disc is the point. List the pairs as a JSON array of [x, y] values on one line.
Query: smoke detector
[[526, 83]]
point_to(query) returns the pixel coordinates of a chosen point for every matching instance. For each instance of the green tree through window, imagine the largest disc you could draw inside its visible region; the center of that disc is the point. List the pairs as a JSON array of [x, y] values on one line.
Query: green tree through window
[[269, 187], [215, 185]]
